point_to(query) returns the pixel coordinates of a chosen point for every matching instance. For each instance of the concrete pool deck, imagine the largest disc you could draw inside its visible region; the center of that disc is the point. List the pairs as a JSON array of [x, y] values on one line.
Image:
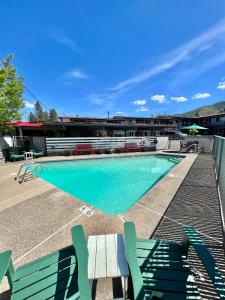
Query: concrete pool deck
[[36, 217]]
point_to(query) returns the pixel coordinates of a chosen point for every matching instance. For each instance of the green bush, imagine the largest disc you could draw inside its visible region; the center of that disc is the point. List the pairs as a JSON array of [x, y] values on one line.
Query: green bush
[[97, 151], [106, 151], [118, 150]]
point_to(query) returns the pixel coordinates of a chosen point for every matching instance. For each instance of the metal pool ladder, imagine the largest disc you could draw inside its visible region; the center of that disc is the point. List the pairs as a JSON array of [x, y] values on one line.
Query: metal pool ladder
[[27, 169]]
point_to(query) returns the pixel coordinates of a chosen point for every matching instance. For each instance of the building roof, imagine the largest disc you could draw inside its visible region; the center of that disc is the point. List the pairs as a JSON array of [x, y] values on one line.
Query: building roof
[[83, 118], [203, 116], [116, 118], [105, 124], [26, 124], [141, 118]]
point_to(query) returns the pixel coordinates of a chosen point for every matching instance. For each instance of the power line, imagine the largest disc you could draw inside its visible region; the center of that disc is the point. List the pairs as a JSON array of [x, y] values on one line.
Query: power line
[[29, 92]]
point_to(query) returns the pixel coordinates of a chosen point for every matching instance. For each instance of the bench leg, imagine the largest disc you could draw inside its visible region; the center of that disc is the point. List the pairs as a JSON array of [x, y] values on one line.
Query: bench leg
[[90, 284], [124, 280]]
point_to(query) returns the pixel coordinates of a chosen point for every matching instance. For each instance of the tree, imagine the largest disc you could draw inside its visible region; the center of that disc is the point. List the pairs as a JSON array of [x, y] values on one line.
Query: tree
[[32, 118], [39, 111], [11, 93], [41, 115], [53, 115], [45, 116]]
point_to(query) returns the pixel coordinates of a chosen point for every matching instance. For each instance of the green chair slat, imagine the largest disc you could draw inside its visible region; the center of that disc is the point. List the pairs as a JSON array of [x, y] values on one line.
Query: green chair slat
[[48, 286], [158, 245], [66, 288], [166, 274], [37, 154], [171, 286], [16, 157], [81, 251], [15, 154], [44, 274], [163, 264], [5, 259], [43, 262], [130, 251], [160, 255]]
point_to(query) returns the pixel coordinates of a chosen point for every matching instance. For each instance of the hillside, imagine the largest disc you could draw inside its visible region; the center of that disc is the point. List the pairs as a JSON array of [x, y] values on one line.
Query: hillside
[[206, 110]]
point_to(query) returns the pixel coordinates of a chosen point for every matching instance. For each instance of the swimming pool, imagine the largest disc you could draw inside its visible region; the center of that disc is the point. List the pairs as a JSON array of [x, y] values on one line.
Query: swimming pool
[[112, 185]]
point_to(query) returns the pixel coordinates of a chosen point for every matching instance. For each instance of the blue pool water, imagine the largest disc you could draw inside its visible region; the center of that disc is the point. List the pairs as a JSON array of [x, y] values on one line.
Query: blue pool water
[[112, 185]]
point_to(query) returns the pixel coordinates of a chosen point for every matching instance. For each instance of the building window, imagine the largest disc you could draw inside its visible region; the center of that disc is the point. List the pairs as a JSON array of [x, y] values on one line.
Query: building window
[[130, 133], [217, 119], [147, 133]]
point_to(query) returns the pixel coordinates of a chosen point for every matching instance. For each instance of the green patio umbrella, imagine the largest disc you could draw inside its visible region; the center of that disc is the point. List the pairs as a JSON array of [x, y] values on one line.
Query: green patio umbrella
[[194, 126]]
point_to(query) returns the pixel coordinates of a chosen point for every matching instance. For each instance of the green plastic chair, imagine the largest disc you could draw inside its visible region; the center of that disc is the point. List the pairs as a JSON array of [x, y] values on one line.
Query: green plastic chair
[[159, 269], [36, 152], [59, 275], [15, 154]]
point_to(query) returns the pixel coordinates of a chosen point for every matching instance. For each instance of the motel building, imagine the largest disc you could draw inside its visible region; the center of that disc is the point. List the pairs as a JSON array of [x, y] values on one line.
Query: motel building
[[119, 126]]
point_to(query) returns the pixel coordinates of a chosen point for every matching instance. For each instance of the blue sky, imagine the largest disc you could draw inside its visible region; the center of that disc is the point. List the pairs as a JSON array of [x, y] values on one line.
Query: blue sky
[[127, 57]]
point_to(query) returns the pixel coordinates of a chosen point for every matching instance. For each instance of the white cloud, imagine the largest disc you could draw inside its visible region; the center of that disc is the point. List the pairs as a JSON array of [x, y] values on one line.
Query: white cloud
[[181, 54], [159, 98], [119, 112], [68, 77], [221, 85], [201, 95], [139, 102], [179, 99], [95, 99], [205, 47], [28, 104], [142, 109], [75, 74], [61, 38]]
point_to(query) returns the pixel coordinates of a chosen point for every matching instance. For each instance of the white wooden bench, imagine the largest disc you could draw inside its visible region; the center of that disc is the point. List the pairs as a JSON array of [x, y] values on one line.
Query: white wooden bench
[[107, 259]]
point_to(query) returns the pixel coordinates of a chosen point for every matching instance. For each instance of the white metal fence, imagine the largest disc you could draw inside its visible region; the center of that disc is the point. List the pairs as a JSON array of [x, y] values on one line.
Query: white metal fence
[[57, 145], [219, 159], [206, 141], [162, 142]]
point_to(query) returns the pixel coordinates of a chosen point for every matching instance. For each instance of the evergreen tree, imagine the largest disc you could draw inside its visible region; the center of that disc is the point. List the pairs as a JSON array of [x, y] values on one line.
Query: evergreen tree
[[32, 118], [45, 116], [41, 115], [11, 92], [53, 115], [39, 111]]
